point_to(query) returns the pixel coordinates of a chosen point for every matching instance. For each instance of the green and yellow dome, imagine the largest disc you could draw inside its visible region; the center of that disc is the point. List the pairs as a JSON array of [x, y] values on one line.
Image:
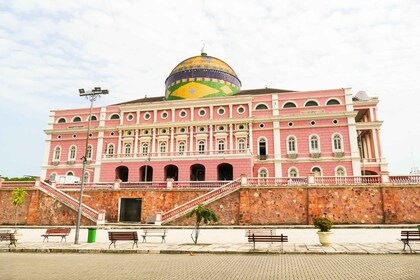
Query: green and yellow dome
[[201, 77]]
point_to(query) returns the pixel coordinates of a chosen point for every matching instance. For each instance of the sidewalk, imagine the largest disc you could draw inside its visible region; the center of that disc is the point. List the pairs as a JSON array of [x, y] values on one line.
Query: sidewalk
[[227, 240]]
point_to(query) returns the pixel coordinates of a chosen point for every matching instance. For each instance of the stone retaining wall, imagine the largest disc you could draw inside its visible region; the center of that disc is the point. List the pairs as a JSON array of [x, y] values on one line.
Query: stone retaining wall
[[247, 206]]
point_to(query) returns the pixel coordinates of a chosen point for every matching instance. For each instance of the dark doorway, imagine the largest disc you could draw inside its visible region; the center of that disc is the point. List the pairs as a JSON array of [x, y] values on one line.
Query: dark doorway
[[171, 171], [262, 148], [121, 173], [130, 210], [224, 172], [146, 173], [197, 172]]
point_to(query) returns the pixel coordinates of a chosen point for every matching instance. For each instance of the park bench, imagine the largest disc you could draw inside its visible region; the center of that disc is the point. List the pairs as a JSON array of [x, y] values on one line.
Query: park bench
[[115, 236], [408, 236], [268, 238], [56, 232], [154, 233], [250, 232], [8, 236]]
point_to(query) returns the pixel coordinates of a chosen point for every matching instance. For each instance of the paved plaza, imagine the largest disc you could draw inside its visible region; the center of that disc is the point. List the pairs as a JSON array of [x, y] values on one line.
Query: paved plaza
[[208, 266], [226, 240]]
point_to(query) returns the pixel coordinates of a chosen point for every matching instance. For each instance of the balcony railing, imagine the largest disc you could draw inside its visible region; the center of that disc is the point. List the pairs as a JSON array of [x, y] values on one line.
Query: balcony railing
[[147, 156]]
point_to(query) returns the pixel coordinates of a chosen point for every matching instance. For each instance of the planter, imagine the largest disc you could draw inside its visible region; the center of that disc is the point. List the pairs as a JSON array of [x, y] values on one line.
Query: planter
[[325, 237]]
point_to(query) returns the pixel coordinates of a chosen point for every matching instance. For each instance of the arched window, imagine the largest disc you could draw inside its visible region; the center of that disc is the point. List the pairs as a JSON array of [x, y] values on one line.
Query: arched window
[[72, 155], [181, 147], [241, 145], [262, 148], [61, 120], [291, 144], [57, 153], [262, 173], [89, 152], [87, 177], [53, 176], [261, 107], [162, 147], [77, 119], [115, 117], [127, 149], [311, 103], [293, 172], [110, 149], [337, 143], [93, 118], [201, 146], [69, 173], [145, 149], [289, 105], [340, 172], [314, 143], [221, 146], [333, 102], [317, 171]]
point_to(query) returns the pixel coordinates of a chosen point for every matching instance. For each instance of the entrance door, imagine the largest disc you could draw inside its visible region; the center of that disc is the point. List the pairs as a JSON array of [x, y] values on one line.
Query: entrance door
[[130, 210]]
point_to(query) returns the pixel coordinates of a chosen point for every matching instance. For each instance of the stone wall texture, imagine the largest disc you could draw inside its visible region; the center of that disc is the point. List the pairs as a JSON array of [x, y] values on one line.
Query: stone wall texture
[[247, 206]]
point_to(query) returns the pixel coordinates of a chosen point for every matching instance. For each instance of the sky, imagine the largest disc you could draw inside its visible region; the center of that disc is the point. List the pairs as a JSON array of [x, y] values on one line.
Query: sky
[[49, 49]]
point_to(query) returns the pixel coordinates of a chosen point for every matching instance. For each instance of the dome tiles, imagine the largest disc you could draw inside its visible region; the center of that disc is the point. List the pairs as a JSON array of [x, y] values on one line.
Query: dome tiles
[[201, 77]]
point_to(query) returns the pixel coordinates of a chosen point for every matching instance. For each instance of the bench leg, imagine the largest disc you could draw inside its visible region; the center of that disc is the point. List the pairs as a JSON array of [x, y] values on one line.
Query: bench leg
[[135, 242], [144, 239], [45, 237], [163, 239], [111, 244]]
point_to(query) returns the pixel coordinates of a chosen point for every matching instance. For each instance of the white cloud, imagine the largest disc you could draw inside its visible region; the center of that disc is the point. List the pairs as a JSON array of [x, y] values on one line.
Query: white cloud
[[49, 49]]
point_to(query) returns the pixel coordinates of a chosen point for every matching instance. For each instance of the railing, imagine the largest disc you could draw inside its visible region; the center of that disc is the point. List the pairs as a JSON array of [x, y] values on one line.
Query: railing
[[17, 184], [282, 181], [354, 180], [203, 198], [404, 180], [143, 185], [70, 201], [148, 156], [103, 185], [197, 184]]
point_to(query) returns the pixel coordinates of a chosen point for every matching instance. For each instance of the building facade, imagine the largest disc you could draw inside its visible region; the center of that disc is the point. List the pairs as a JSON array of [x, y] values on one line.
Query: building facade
[[206, 128]]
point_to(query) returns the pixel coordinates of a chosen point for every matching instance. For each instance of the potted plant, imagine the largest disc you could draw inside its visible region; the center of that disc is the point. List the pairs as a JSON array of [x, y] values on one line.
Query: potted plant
[[324, 224]]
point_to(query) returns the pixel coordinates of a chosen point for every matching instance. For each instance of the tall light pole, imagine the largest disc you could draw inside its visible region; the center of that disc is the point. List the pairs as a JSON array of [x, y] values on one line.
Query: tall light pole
[[91, 95]]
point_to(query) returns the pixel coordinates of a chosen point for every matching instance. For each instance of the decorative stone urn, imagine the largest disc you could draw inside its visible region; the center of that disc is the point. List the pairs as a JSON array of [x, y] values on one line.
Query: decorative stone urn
[[325, 237]]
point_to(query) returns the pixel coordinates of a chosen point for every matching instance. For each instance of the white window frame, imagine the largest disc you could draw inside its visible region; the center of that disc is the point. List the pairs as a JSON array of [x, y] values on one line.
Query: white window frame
[[288, 143], [333, 138], [316, 149], [72, 153], [57, 153]]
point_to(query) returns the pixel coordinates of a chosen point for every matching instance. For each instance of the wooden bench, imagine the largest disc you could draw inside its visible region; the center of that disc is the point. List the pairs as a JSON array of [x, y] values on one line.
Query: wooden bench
[[268, 238], [8, 236], [250, 232], [408, 236], [56, 232], [115, 236], [154, 233]]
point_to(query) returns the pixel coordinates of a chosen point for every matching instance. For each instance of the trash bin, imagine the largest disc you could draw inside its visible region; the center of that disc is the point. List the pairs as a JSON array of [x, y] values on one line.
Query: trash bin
[[91, 235]]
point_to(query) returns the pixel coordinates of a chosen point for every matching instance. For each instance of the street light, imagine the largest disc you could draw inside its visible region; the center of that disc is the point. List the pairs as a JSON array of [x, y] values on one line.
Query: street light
[[90, 95]]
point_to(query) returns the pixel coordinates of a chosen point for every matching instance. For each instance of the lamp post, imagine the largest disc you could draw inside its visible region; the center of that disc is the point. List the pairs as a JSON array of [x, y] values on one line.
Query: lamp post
[[91, 95]]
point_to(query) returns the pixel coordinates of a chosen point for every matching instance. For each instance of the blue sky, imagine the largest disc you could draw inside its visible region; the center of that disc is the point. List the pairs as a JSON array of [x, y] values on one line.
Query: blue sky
[[50, 49]]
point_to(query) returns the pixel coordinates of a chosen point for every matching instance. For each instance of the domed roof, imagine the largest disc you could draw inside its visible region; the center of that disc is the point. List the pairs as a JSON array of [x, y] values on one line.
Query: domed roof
[[203, 61], [201, 76]]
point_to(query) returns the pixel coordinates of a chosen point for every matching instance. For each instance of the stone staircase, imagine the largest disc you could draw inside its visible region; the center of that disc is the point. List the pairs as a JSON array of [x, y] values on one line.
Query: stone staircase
[[70, 202], [203, 199]]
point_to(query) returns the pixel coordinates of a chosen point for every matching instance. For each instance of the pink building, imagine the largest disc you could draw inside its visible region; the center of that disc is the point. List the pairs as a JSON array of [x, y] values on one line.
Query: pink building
[[206, 128]]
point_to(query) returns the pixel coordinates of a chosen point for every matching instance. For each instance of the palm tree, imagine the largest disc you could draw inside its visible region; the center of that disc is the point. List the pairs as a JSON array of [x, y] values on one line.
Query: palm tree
[[202, 214], [18, 198]]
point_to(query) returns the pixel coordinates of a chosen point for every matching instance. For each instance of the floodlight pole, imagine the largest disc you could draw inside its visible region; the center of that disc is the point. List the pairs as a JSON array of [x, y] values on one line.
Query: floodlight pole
[[91, 96]]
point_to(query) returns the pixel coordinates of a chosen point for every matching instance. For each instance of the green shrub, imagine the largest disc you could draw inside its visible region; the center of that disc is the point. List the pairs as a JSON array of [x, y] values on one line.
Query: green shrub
[[324, 224]]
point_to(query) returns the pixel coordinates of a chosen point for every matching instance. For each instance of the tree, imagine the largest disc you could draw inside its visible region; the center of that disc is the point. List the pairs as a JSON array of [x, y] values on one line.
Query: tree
[[18, 198], [202, 214]]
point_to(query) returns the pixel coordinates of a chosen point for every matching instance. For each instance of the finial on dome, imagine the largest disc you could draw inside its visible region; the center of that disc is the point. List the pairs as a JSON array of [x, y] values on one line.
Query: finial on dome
[[202, 49]]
